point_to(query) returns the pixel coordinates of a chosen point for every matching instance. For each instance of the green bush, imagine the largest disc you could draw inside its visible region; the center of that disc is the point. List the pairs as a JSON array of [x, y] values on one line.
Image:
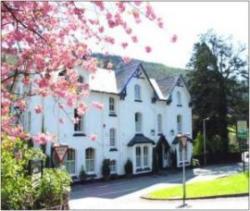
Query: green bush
[[128, 168], [54, 184], [198, 145], [17, 190], [82, 175], [106, 169]]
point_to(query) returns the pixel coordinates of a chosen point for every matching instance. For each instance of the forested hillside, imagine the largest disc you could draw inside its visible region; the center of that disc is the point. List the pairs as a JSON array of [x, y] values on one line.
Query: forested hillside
[[154, 70]]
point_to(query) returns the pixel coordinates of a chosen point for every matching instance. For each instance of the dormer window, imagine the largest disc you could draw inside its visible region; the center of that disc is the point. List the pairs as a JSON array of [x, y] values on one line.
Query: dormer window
[[112, 106], [137, 93], [178, 98]]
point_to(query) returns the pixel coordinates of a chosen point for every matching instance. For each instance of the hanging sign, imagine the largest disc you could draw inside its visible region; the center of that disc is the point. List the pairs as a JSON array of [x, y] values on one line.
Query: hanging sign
[[35, 169]]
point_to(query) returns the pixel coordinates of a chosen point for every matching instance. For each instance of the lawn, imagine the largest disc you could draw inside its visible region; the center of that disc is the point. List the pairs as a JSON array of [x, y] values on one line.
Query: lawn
[[234, 184]]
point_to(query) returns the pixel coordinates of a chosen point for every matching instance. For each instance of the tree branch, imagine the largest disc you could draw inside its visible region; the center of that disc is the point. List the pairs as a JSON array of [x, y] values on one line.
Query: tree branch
[[10, 10]]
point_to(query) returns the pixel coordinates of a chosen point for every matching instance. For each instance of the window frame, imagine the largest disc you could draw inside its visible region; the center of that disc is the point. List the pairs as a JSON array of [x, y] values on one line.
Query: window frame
[[179, 123], [179, 99], [89, 160], [112, 137], [113, 166], [147, 157], [79, 127], [138, 157], [137, 93], [159, 123], [68, 162], [138, 122], [112, 106]]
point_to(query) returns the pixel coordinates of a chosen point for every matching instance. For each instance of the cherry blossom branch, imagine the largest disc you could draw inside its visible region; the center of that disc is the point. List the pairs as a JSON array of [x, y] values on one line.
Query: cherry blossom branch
[[10, 10]]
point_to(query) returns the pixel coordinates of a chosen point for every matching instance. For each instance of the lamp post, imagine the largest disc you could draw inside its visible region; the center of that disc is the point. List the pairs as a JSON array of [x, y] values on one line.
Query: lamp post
[[183, 143], [204, 139]]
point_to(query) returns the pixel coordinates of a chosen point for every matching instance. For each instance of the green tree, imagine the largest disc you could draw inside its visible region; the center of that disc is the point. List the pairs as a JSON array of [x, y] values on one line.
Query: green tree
[[217, 72]]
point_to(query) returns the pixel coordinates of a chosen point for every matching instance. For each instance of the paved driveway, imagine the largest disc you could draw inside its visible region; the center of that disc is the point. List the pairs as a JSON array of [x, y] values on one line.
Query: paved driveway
[[125, 193]]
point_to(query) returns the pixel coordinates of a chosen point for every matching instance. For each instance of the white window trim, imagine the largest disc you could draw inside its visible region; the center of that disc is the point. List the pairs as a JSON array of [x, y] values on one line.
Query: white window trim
[[138, 124], [88, 159], [142, 166], [75, 169], [137, 92], [113, 138], [111, 170], [159, 123], [82, 119], [112, 103]]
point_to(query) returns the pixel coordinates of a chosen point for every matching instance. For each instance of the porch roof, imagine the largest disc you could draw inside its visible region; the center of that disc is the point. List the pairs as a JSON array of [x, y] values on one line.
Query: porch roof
[[140, 139], [176, 141], [163, 140]]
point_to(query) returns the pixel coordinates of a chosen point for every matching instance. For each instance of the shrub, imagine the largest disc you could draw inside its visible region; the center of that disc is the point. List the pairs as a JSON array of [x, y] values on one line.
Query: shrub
[[128, 168], [82, 175], [198, 145], [54, 184], [17, 190], [106, 169]]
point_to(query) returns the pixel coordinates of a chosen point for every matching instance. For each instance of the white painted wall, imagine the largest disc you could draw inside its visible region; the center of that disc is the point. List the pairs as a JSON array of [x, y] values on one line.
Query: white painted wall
[[99, 122]]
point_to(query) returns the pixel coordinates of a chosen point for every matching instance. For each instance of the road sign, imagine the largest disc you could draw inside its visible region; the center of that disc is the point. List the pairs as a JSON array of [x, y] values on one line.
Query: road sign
[[242, 130], [61, 151]]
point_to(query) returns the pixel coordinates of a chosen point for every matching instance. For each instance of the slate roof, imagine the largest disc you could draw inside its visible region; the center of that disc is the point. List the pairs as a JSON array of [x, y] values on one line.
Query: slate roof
[[110, 81], [140, 139], [124, 72], [176, 141], [167, 84]]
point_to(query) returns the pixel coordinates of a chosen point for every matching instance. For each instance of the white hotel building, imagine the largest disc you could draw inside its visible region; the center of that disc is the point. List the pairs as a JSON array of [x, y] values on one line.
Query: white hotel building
[[141, 117]]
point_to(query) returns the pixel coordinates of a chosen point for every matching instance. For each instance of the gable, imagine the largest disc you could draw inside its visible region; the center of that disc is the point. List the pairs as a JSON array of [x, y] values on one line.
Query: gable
[[127, 72], [167, 85]]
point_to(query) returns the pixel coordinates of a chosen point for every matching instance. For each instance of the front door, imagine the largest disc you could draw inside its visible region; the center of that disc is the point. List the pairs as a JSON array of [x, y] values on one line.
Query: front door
[[160, 156]]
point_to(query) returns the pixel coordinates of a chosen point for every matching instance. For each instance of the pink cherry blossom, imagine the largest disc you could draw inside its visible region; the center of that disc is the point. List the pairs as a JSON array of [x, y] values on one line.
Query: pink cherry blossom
[[93, 137], [126, 59], [38, 109], [109, 65], [42, 138], [82, 108], [174, 38], [134, 39], [124, 44], [97, 105], [148, 49], [49, 37]]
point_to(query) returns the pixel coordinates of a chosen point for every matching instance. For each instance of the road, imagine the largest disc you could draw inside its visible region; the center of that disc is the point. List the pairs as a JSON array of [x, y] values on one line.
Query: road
[[126, 193]]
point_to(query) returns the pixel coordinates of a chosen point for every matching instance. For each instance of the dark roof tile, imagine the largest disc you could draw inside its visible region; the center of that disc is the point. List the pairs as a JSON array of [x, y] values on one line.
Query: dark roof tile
[[140, 139]]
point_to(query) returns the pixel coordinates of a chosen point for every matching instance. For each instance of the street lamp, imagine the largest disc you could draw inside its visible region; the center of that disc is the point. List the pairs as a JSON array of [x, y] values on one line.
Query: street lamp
[[183, 144], [204, 139]]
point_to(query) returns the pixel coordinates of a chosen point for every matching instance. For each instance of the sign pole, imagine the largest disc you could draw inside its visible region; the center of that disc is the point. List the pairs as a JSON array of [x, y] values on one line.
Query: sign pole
[[183, 177]]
